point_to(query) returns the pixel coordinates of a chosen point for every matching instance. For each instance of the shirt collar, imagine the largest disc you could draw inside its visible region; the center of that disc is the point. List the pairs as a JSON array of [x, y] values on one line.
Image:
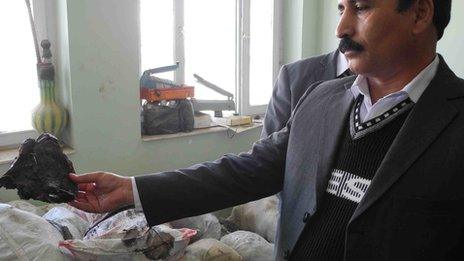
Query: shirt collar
[[342, 64], [413, 89]]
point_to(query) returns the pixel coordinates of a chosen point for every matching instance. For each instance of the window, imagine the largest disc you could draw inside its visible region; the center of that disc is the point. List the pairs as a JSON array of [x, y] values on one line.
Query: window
[[234, 44], [19, 91]]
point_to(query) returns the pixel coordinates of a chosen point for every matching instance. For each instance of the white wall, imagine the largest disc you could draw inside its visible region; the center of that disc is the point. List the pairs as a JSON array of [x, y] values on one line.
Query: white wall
[[451, 46]]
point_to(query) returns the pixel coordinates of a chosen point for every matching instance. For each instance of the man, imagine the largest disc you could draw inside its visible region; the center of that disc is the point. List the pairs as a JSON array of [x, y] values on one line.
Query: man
[[294, 79], [369, 167]]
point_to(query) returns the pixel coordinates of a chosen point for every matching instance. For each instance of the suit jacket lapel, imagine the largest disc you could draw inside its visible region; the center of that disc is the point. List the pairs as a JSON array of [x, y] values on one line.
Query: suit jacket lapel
[[335, 118], [336, 113], [328, 67], [432, 113]]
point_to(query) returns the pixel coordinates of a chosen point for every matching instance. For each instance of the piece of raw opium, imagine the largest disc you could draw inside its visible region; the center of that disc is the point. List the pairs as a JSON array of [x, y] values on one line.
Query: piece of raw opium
[[40, 171]]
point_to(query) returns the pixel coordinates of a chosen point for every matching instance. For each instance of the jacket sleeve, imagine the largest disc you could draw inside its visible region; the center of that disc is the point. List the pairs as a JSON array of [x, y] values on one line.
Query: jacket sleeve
[[225, 182], [279, 108]]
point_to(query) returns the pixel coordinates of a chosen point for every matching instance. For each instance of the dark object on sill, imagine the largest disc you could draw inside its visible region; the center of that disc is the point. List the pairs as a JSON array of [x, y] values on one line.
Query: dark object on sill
[[41, 171], [167, 117]]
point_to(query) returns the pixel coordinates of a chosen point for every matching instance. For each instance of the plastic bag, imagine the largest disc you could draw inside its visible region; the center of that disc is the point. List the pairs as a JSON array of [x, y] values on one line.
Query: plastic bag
[[210, 250], [26, 236], [251, 246], [207, 225], [126, 236], [65, 217], [258, 216], [26, 206], [167, 117], [158, 242], [115, 226]]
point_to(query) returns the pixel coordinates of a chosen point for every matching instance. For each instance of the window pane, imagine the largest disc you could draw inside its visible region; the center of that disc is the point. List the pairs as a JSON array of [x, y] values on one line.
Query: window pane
[[261, 51], [209, 29], [19, 92], [157, 35]]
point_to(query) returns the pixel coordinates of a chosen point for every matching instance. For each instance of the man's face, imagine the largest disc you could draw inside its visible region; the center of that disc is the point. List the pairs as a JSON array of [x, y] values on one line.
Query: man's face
[[381, 37]]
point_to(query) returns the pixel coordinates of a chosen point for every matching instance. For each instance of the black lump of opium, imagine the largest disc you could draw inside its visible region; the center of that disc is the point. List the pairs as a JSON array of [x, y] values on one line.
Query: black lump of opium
[[40, 171]]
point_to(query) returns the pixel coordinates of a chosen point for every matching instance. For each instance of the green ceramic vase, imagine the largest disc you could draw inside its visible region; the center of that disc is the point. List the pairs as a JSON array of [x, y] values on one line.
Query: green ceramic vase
[[49, 116]]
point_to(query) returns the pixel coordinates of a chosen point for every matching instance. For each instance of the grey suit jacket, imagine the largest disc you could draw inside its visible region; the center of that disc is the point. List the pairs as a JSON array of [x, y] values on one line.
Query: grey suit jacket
[[413, 209], [293, 81]]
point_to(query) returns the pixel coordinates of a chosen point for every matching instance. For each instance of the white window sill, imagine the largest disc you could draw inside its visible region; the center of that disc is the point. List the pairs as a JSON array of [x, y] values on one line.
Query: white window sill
[[8, 155], [230, 130]]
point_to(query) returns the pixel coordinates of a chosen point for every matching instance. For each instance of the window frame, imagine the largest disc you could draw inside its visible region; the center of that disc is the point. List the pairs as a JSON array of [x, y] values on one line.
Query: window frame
[[243, 53], [43, 23], [242, 61]]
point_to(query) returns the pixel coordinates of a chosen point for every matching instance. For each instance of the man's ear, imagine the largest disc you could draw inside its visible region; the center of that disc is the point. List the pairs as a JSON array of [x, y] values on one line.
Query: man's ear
[[424, 11]]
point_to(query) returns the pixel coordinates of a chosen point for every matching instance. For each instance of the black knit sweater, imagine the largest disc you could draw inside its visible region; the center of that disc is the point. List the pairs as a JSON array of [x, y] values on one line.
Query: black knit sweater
[[359, 156]]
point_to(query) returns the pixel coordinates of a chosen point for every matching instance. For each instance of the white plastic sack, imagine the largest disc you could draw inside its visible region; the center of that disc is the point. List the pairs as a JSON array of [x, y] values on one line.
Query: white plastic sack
[[126, 236], [26, 206], [210, 250], [258, 216], [116, 225], [90, 218], [46, 207], [65, 217], [251, 246], [101, 250], [159, 242], [207, 226], [39, 210], [26, 236]]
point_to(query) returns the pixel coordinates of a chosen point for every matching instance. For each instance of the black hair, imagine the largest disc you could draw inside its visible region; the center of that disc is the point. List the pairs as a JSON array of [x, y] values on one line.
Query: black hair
[[441, 16]]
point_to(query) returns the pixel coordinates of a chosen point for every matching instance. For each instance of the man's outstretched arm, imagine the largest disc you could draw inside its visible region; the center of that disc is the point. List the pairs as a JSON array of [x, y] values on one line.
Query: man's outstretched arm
[[165, 196], [226, 182]]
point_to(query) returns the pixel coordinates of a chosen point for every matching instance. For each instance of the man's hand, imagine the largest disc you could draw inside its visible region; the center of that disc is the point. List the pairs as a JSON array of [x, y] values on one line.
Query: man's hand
[[102, 192]]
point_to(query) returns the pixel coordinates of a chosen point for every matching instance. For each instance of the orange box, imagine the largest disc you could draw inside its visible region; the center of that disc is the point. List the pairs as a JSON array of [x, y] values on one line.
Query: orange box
[[179, 93]]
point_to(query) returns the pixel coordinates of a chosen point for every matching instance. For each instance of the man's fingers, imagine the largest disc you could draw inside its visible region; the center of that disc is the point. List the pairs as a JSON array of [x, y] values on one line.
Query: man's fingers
[[85, 178], [81, 196], [86, 202], [86, 186]]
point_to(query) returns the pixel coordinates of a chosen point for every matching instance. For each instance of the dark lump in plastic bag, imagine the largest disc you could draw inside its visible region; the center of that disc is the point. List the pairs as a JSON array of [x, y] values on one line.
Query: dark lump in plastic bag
[[41, 171]]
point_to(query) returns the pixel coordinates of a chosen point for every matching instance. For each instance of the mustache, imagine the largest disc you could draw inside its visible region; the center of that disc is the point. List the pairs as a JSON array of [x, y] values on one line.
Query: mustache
[[346, 44]]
